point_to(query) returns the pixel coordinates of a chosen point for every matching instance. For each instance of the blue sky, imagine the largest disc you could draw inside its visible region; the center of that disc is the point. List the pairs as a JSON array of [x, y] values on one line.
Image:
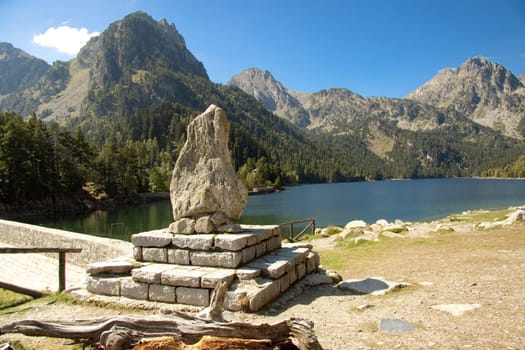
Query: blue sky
[[372, 47]]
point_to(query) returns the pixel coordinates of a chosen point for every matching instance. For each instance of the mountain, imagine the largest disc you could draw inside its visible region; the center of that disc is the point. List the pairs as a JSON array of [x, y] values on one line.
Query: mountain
[[429, 139], [521, 77], [340, 111], [272, 94], [484, 91], [18, 70], [138, 82]]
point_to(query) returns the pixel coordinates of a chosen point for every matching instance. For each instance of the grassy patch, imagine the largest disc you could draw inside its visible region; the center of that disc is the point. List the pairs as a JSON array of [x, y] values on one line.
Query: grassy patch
[[481, 216], [18, 345], [9, 298]]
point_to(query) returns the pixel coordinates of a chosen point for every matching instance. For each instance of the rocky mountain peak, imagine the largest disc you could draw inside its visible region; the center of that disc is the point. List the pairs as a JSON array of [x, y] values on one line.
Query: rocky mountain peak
[[272, 94], [480, 89], [138, 43], [18, 69]]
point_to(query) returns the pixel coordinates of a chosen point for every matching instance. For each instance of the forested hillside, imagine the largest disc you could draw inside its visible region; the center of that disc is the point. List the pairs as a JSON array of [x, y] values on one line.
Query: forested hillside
[[110, 123]]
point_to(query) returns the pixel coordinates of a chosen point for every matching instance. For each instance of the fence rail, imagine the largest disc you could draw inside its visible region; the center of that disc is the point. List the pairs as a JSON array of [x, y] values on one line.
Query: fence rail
[[61, 258], [310, 225]]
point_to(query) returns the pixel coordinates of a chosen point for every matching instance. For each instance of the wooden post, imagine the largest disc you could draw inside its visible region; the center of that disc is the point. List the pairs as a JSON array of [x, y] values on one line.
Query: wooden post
[[61, 271], [61, 259]]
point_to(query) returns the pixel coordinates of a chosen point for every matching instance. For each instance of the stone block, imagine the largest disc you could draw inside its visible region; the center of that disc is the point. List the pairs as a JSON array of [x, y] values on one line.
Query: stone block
[[204, 224], [159, 255], [193, 296], [134, 290], [178, 256], [273, 243], [210, 279], [278, 268], [196, 242], [303, 253], [109, 285], [230, 228], [267, 229], [300, 270], [260, 249], [290, 255], [182, 277], [219, 218], [184, 226], [158, 292], [260, 234], [137, 253], [248, 254], [156, 238], [276, 231], [232, 242], [312, 262], [267, 290], [216, 259], [284, 282], [271, 267], [110, 267], [292, 275], [247, 273], [150, 273], [236, 301]]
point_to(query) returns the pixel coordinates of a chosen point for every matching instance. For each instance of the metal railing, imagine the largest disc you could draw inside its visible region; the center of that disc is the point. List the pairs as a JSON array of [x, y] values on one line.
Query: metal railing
[[291, 236]]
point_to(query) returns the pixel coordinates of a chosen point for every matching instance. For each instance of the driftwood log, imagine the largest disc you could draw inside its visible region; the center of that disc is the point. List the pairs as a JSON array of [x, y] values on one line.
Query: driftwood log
[[123, 332], [133, 331]]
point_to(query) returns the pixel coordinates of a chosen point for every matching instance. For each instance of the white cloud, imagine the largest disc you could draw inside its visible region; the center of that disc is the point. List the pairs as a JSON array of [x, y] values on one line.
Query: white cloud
[[64, 38]]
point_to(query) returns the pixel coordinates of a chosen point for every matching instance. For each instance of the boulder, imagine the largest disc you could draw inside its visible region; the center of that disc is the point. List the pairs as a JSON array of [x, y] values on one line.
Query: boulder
[[204, 180], [370, 285], [355, 224], [184, 225]]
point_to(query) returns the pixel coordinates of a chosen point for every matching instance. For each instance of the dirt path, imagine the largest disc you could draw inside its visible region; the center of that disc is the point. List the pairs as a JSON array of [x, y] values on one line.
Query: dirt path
[[449, 262]]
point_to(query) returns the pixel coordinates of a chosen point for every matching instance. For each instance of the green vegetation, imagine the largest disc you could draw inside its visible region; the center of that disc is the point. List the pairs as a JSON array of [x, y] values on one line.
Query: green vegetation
[[481, 216], [513, 170], [9, 298]]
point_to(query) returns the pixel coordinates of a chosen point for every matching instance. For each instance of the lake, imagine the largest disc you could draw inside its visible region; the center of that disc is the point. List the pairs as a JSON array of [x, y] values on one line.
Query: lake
[[329, 204]]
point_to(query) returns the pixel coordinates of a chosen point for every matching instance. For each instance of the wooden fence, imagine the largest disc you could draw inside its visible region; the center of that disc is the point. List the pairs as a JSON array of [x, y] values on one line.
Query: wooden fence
[[291, 235], [61, 259]]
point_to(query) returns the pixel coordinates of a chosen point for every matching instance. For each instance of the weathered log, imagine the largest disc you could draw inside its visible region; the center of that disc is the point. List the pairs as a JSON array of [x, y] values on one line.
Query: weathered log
[[206, 343], [121, 332]]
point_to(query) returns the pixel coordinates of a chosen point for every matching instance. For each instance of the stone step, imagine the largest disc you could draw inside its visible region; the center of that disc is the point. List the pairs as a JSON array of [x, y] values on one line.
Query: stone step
[[251, 286], [228, 250]]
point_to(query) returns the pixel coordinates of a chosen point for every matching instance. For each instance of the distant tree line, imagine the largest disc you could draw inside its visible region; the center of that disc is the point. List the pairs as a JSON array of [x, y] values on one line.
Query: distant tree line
[[40, 161]]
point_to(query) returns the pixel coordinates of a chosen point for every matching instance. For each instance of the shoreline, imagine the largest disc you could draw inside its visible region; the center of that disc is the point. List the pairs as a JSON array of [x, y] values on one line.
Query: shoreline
[[463, 266]]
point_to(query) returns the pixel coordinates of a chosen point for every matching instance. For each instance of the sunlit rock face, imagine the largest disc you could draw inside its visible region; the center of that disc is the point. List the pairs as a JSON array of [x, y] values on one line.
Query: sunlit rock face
[[204, 181]]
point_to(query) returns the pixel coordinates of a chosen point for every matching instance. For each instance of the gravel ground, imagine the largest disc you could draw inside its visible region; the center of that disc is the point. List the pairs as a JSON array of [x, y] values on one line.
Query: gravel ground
[[444, 262]]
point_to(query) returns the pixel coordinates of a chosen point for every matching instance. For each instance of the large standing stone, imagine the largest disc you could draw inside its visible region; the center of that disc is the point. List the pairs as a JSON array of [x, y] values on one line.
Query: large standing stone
[[204, 180]]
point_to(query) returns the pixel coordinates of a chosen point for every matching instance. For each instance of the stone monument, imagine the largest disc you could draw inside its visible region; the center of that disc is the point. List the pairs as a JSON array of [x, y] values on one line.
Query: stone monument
[[205, 245], [205, 191]]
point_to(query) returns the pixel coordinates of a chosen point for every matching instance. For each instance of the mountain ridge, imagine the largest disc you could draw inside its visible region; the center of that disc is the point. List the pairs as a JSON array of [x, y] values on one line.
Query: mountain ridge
[[500, 107], [18, 69], [138, 81], [485, 91]]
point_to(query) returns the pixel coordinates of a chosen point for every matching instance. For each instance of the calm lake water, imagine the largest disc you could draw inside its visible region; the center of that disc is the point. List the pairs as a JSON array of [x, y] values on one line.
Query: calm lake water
[[329, 204]]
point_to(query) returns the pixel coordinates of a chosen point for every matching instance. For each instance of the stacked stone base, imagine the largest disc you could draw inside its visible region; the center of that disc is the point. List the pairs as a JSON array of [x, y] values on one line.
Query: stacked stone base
[[185, 269]]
